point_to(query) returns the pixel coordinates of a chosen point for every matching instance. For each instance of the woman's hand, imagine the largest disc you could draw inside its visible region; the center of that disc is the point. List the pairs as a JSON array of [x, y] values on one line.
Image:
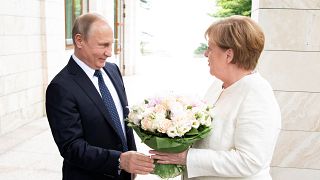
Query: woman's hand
[[169, 158]]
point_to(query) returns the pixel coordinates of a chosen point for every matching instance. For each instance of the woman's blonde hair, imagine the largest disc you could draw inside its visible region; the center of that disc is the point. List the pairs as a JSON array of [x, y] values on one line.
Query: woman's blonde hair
[[242, 35]]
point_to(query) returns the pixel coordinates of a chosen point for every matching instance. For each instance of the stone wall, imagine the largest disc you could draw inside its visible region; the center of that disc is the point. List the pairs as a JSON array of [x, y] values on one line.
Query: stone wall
[[31, 39], [21, 62], [32, 52], [291, 63]]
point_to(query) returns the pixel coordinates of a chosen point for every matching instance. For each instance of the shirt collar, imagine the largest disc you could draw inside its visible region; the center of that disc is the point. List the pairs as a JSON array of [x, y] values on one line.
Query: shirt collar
[[88, 70]]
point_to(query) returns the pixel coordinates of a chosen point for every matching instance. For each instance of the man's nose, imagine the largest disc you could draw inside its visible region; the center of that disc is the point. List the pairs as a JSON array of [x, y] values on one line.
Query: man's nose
[[108, 52]]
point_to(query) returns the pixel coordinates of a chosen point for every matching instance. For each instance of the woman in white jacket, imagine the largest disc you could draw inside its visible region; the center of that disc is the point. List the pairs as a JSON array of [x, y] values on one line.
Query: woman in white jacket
[[247, 116]]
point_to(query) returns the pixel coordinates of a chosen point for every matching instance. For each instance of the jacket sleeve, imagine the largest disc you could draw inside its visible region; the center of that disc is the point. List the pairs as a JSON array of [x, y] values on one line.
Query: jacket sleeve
[[256, 130]]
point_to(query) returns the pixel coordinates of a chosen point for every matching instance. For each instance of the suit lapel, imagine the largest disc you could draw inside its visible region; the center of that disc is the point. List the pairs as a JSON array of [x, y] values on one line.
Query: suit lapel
[[115, 77], [118, 84], [87, 86]]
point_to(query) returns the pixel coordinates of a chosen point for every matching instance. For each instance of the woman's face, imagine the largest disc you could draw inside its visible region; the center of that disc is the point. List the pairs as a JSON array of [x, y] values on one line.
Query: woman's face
[[217, 59]]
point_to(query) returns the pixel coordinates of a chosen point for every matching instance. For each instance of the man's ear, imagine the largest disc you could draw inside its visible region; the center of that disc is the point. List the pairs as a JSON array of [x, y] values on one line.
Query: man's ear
[[229, 53], [78, 40]]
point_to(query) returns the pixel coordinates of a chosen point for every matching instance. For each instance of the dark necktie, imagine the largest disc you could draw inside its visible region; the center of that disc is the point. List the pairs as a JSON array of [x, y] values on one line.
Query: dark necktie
[[110, 106]]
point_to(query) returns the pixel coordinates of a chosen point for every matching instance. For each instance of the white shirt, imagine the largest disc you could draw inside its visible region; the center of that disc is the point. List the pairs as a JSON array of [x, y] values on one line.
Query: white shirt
[[245, 130], [90, 73]]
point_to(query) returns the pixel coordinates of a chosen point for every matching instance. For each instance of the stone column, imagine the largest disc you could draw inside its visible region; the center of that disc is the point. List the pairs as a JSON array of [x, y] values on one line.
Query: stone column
[[131, 34], [291, 63]]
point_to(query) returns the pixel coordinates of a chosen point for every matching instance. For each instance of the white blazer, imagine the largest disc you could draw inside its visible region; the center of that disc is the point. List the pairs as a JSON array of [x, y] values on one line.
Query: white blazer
[[245, 131]]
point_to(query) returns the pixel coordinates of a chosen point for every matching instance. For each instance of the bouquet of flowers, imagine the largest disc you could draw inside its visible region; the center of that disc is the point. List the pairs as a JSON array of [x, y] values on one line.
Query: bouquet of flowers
[[170, 124]]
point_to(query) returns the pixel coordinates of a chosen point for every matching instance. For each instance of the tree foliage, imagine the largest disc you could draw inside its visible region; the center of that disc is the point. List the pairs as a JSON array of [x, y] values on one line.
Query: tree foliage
[[201, 49], [233, 7], [228, 8]]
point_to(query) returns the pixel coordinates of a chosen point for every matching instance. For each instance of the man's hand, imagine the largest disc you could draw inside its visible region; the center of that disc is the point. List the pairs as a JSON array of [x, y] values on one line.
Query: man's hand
[[137, 163]]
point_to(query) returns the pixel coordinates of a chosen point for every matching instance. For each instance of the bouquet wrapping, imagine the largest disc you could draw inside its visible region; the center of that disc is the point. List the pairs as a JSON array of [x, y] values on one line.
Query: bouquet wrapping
[[170, 124]]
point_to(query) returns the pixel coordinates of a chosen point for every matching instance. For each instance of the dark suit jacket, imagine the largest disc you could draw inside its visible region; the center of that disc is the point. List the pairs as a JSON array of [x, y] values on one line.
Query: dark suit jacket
[[81, 126]]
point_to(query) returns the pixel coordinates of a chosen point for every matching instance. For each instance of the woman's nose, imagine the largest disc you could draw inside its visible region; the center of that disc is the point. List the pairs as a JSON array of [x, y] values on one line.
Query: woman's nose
[[206, 53]]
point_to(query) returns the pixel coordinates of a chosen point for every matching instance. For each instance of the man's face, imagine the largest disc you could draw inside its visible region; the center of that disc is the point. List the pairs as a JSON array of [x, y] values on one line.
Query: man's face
[[98, 45]]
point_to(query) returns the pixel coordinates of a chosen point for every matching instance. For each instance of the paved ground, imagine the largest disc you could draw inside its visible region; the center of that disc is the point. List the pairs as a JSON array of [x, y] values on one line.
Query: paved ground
[[29, 153]]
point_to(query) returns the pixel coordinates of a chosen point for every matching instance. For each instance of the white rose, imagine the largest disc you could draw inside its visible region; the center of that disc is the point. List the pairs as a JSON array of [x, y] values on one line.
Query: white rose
[[164, 125], [134, 118], [172, 132], [176, 108], [183, 127], [146, 124]]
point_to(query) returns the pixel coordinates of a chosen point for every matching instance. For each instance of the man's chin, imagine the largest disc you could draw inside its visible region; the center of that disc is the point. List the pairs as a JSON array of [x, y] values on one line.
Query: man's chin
[[101, 64], [103, 61]]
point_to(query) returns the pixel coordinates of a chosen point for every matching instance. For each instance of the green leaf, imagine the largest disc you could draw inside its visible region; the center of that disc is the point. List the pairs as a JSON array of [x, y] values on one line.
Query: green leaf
[[193, 131], [166, 171], [167, 144]]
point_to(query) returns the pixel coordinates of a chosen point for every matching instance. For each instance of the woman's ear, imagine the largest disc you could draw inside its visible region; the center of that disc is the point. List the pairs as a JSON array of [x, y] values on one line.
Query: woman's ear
[[229, 53], [78, 40]]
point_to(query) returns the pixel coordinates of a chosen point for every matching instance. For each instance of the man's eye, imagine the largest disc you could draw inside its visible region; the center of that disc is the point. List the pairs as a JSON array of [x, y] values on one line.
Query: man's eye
[[104, 45]]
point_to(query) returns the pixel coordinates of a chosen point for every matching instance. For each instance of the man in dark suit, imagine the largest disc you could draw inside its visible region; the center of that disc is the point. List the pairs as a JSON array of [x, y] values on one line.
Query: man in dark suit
[[86, 105]]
